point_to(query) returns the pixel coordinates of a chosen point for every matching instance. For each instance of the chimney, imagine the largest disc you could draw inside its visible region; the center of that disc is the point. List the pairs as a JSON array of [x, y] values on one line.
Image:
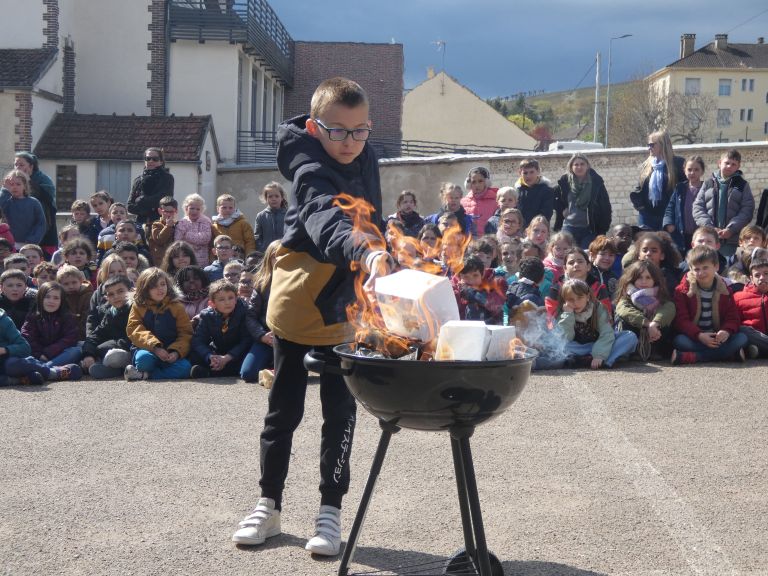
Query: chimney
[[430, 72], [687, 42], [761, 40], [721, 41]]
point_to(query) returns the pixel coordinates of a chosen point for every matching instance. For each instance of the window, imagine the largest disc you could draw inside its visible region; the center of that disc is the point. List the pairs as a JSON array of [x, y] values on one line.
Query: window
[[742, 115], [743, 84], [725, 88], [692, 86], [724, 117], [749, 115], [765, 128], [66, 187], [751, 84]]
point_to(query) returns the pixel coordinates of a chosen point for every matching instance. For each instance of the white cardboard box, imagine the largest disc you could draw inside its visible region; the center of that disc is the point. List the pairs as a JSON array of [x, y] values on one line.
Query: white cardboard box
[[500, 339], [463, 340]]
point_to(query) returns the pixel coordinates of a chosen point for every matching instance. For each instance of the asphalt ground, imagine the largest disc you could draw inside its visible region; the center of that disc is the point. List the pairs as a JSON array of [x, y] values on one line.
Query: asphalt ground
[[641, 470]]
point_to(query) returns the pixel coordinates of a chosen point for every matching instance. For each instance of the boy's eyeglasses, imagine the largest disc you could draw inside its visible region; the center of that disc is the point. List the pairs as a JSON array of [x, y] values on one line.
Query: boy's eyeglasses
[[651, 144], [151, 158], [340, 134], [223, 247]]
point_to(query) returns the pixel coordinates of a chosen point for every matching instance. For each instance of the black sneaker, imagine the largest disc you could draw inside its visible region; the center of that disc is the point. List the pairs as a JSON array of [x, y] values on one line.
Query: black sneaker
[[31, 379], [199, 371]]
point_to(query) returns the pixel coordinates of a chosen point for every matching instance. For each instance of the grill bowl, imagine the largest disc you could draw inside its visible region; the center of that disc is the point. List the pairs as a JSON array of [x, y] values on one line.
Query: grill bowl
[[436, 395]]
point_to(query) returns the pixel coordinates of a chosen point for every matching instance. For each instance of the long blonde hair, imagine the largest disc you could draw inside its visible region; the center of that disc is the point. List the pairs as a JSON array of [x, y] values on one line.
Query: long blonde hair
[[661, 137], [262, 278]]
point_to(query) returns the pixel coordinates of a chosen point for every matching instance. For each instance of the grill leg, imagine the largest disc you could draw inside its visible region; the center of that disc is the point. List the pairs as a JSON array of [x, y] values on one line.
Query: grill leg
[[480, 550], [387, 430], [461, 486]]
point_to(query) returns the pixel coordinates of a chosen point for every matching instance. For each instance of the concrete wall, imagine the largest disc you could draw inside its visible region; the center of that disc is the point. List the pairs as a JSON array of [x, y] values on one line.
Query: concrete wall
[[7, 135], [22, 24], [106, 80], [619, 167]]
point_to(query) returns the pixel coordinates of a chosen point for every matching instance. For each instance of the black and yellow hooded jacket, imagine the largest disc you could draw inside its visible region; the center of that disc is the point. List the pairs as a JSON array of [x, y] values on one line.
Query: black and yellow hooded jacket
[[312, 282]]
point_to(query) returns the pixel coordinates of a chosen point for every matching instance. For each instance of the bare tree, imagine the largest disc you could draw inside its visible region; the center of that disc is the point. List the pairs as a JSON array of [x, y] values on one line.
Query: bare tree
[[690, 117]]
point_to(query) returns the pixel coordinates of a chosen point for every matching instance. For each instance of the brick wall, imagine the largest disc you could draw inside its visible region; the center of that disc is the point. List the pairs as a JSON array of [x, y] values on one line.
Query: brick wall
[[157, 58], [378, 68], [23, 128], [619, 168], [51, 23], [68, 80]]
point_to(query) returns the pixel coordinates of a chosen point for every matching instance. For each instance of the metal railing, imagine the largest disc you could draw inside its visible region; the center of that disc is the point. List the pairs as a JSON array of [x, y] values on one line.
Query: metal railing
[[260, 148], [251, 22]]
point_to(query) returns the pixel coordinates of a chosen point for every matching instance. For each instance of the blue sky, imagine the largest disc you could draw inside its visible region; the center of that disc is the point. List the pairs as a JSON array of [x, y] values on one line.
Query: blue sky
[[501, 47]]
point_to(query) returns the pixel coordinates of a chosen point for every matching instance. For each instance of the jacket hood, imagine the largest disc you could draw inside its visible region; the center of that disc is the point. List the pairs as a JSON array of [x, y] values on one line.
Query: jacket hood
[[297, 148], [542, 180]]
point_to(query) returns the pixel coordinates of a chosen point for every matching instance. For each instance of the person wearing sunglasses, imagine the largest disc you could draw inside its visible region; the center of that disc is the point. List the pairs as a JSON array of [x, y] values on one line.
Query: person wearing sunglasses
[[154, 183], [659, 175]]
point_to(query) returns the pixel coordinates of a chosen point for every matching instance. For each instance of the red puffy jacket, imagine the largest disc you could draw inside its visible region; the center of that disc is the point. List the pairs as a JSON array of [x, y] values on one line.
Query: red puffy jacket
[[725, 315], [752, 307]]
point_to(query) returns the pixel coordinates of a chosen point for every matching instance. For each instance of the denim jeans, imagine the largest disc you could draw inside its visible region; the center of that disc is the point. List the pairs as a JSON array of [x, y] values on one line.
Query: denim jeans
[[625, 343], [757, 338], [24, 366], [260, 356], [159, 370], [726, 351], [581, 234]]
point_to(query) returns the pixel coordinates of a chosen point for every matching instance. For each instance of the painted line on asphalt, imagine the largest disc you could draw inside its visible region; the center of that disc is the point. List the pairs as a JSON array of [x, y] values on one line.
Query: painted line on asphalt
[[697, 547]]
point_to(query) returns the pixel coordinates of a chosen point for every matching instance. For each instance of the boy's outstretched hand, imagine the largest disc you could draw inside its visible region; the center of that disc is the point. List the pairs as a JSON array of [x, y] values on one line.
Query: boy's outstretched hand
[[378, 264]]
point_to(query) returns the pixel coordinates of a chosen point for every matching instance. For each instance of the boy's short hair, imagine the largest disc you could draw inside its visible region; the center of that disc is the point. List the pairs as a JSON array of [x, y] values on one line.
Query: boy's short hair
[[169, 201], [15, 259], [43, 267], [336, 91], [529, 163], [114, 280], [225, 198], [81, 205], [706, 230], [602, 244], [222, 285], [125, 246], [504, 190], [118, 205], [732, 154], [221, 237], [128, 222], [13, 274], [751, 230], [701, 254], [757, 263], [69, 270], [528, 244], [34, 247], [532, 269], [484, 246], [77, 244], [234, 264], [472, 264]]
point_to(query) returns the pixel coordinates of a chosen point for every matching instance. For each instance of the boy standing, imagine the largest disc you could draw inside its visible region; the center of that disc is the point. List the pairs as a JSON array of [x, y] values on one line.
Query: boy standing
[[725, 201], [161, 233], [229, 221], [535, 193], [322, 154], [707, 319]]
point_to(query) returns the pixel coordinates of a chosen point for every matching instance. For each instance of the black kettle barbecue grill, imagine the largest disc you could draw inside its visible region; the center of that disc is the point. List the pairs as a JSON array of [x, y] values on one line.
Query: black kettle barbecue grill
[[446, 396]]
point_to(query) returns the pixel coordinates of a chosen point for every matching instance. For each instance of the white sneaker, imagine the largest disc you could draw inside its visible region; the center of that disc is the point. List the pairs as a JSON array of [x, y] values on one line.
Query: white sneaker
[[262, 523], [327, 538], [133, 373]]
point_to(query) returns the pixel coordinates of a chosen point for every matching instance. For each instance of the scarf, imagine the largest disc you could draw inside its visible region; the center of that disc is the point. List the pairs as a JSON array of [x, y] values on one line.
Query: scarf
[[227, 221], [195, 295], [656, 185], [409, 220], [585, 314], [646, 299], [582, 191], [722, 198]]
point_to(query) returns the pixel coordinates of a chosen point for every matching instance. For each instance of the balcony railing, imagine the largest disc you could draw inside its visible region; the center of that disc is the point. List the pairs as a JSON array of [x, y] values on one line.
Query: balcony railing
[[261, 148], [250, 22]]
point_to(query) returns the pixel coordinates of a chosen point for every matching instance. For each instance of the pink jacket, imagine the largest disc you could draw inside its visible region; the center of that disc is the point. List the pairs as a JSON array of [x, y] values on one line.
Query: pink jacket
[[480, 207], [197, 234], [5, 232]]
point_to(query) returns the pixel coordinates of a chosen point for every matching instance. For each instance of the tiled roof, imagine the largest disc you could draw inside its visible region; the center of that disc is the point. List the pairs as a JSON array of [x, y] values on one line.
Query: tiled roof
[[99, 137], [22, 67], [741, 56]]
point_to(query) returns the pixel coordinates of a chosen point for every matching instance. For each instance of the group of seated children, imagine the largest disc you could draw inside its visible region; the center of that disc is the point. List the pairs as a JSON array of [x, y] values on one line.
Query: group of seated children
[[110, 313]]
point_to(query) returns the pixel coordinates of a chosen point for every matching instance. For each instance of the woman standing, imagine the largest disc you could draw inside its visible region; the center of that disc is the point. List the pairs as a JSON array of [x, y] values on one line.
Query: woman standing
[[659, 175], [582, 204], [43, 189], [148, 188]]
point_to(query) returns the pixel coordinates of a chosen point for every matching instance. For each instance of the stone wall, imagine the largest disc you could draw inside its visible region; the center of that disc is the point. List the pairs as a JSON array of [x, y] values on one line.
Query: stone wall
[[619, 167]]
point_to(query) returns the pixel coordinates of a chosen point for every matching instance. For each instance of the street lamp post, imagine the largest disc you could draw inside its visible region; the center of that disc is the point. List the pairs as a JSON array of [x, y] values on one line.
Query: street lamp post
[[608, 85]]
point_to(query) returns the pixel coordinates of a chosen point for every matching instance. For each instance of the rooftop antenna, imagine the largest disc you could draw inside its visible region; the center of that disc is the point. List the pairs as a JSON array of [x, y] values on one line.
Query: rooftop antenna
[[441, 48]]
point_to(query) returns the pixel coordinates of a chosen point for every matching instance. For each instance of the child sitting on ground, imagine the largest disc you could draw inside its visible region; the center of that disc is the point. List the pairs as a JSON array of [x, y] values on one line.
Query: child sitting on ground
[[77, 294], [643, 306], [221, 339], [538, 232], [67, 233], [577, 267], [659, 249], [178, 256], [44, 272], [160, 235], [270, 221], [111, 267], [222, 249], [751, 237], [195, 228], [260, 356], [232, 271], [707, 319], [752, 303], [587, 326], [602, 255], [526, 288], [479, 295], [16, 298], [229, 221], [558, 246], [13, 345], [19, 262], [506, 197], [191, 283], [79, 253], [106, 350], [52, 335], [159, 330], [34, 255], [510, 254]]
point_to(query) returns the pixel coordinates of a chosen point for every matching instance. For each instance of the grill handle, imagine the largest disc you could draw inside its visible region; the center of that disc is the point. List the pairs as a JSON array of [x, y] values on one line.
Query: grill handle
[[324, 364]]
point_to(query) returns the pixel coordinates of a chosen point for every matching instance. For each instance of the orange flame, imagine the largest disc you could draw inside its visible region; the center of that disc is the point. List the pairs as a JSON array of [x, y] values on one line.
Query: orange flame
[[454, 245], [517, 348]]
